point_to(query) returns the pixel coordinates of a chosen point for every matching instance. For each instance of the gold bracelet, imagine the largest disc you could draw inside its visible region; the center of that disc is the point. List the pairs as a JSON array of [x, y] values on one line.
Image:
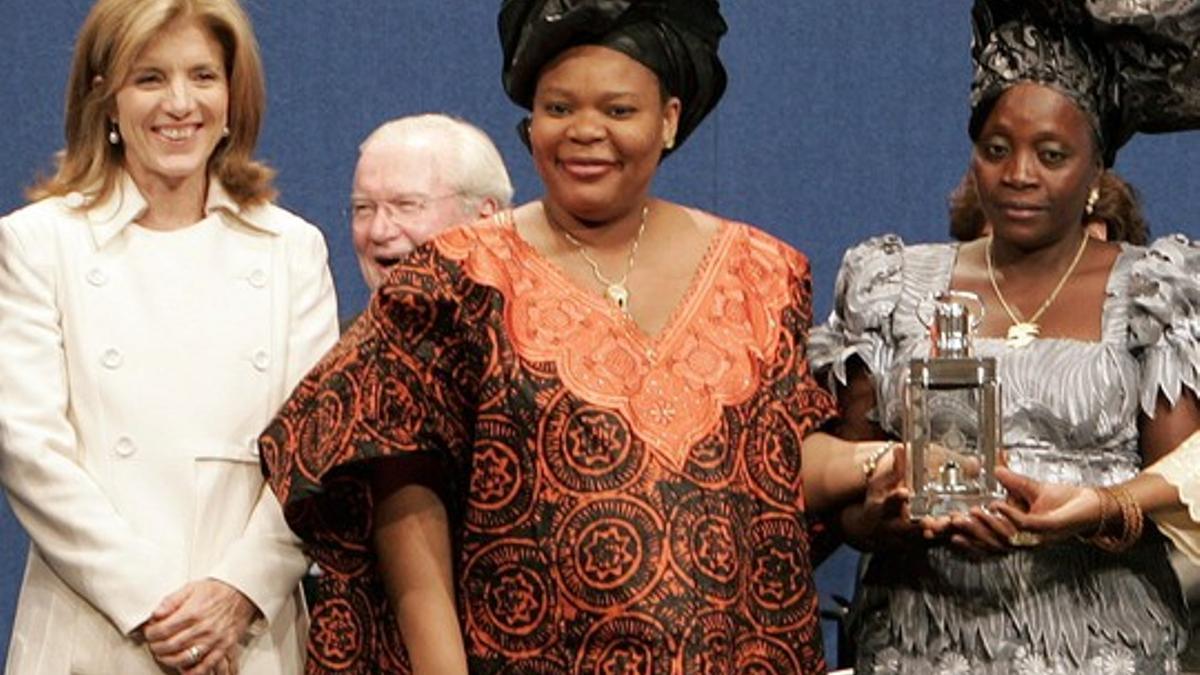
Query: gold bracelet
[[1104, 498], [1134, 518], [1120, 536], [872, 461]]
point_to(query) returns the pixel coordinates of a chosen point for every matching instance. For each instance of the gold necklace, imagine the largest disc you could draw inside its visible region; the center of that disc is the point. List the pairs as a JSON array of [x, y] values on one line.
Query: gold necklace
[[1022, 332], [616, 291]]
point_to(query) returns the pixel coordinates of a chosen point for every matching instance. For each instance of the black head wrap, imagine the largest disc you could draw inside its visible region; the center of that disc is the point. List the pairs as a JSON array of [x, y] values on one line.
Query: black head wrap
[[1156, 57], [1130, 65], [677, 39], [1020, 41]]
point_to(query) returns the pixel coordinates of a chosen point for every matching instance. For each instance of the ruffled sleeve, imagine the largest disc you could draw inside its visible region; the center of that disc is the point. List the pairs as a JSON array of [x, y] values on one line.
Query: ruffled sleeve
[[400, 383], [1181, 468], [868, 287], [1164, 319]]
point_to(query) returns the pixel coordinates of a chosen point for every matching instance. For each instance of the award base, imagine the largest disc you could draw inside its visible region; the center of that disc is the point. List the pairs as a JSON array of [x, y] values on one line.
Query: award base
[[937, 505]]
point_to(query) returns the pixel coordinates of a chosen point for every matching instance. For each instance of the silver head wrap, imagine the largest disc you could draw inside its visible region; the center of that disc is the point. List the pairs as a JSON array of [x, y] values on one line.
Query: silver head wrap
[[1130, 65]]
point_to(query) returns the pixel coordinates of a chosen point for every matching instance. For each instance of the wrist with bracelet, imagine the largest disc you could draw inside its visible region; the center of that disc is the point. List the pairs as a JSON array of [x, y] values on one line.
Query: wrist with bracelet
[[871, 463], [1120, 523]]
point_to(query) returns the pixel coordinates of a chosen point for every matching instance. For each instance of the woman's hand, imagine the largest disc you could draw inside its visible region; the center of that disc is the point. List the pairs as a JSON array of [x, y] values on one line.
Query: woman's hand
[[197, 629], [881, 520], [978, 533], [887, 492], [1048, 511]]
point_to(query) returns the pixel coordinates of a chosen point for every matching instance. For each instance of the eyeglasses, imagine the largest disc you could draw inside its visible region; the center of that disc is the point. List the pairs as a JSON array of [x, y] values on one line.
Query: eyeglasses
[[395, 209]]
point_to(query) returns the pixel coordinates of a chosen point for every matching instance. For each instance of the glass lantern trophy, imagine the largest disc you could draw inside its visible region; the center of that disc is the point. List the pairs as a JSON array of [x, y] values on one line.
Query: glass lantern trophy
[[952, 413]]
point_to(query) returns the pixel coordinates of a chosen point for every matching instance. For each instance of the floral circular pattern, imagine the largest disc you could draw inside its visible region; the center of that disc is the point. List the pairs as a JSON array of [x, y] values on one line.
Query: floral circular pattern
[[708, 646], [623, 644], [707, 547], [773, 454], [781, 594], [324, 432], [757, 655], [502, 479], [609, 552], [336, 635], [713, 462], [508, 601], [588, 448]]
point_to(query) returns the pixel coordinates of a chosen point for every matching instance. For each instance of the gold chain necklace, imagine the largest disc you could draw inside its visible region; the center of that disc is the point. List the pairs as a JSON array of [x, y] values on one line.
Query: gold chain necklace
[[1022, 332], [616, 291]]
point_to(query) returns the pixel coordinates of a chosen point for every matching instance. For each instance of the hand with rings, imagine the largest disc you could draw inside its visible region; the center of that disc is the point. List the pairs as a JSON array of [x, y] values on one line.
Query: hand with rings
[[226, 666], [198, 629], [979, 532], [1023, 539], [1047, 512], [194, 653]]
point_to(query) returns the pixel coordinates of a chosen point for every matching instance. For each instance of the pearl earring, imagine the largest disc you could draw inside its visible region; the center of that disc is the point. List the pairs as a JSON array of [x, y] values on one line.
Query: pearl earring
[[669, 143], [225, 132], [1093, 197], [114, 136]]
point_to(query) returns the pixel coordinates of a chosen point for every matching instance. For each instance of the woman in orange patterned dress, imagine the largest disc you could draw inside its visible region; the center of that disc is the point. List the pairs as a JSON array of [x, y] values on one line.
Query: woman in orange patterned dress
[[581, 421]]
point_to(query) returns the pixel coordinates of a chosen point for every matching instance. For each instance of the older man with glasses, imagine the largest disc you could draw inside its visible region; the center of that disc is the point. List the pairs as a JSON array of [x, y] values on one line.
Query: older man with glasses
[[415, 177]]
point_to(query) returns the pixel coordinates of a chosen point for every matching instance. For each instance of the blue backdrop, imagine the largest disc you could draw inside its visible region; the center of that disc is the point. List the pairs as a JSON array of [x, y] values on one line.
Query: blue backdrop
[[842, 119]]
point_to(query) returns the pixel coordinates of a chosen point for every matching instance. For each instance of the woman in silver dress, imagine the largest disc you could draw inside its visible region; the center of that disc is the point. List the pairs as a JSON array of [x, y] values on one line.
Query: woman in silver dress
[[1097, 378]]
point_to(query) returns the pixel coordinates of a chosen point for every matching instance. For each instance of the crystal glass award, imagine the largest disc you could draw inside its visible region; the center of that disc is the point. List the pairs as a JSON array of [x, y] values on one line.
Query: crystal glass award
[[952, 413]]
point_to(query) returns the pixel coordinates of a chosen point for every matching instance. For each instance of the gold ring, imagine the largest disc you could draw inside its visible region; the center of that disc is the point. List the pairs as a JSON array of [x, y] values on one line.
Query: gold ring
[[1023, 539], [194, 653]]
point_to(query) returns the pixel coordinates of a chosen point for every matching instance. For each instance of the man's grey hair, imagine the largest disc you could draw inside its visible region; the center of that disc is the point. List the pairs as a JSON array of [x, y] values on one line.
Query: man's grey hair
[[469, 161]]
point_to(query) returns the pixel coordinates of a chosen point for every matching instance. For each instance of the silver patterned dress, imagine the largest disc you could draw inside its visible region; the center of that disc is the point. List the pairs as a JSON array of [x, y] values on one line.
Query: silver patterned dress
[[1070, 412]]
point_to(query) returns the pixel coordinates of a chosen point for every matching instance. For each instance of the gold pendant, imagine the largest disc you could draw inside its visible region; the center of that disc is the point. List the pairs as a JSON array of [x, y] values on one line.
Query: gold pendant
[[1021, 334], [618, 295]]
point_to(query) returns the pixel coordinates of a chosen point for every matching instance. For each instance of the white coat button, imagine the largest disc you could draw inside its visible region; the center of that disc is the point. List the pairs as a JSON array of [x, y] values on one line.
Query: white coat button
[[258, 278], [124, 447], [73, 200], [261, 360], [97, 277], [112, 359]]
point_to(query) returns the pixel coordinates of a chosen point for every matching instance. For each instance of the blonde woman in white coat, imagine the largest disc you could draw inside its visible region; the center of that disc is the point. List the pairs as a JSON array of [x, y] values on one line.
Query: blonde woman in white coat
[[155, 310]]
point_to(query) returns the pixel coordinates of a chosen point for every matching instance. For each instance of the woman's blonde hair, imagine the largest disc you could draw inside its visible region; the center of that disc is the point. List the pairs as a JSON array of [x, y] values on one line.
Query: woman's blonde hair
[[113, 35]]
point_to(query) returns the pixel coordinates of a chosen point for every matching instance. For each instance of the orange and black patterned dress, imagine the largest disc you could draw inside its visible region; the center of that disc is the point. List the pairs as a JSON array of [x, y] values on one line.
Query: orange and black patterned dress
[[621, 503]]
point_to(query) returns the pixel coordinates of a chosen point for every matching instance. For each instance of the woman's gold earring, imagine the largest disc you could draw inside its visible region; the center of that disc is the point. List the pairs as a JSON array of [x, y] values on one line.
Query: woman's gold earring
[[669, 144], [1093, 197]]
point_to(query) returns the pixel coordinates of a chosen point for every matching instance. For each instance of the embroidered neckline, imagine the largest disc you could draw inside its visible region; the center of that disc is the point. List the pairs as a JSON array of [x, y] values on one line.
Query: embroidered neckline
[[679, 315], [671, 387]]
